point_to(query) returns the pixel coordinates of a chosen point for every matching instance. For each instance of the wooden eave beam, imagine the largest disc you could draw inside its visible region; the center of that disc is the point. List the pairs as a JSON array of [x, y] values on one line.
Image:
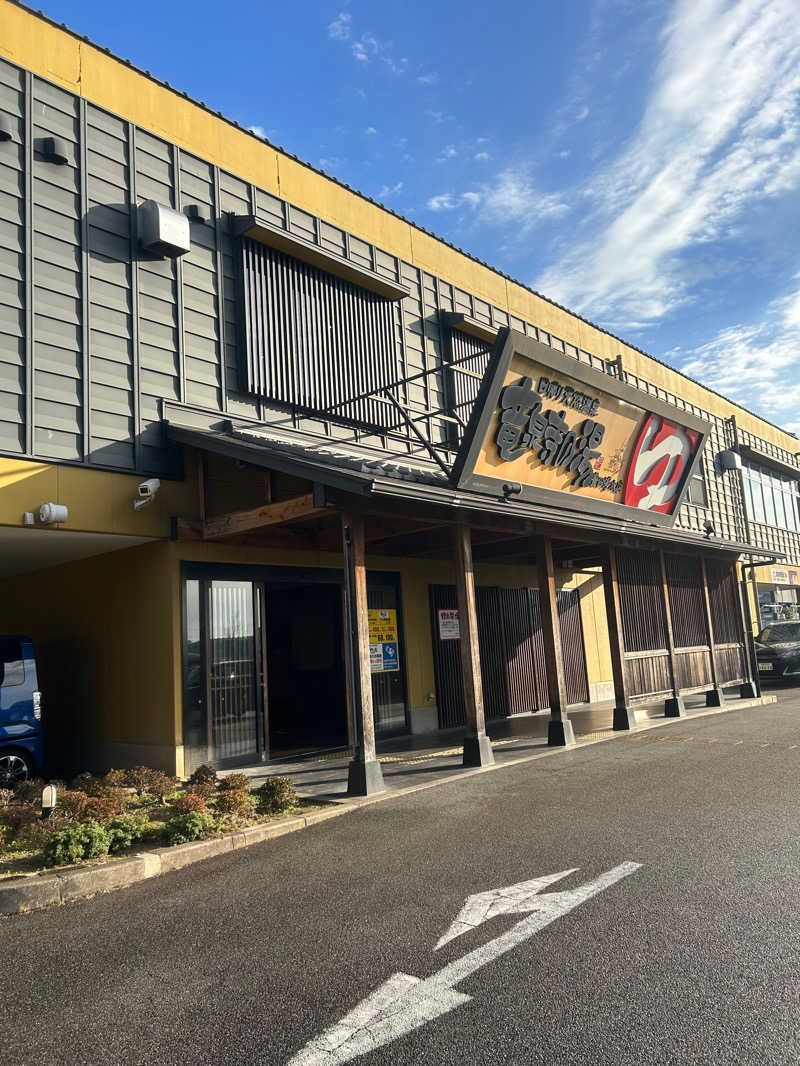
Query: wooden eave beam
[[300, 508]]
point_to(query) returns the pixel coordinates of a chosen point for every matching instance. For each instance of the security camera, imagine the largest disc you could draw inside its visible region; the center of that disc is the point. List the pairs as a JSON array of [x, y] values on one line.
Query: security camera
[[147, 490]]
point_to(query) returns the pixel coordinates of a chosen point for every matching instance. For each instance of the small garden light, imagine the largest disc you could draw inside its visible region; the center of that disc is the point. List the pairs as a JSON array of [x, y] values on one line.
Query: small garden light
[[49, 796]]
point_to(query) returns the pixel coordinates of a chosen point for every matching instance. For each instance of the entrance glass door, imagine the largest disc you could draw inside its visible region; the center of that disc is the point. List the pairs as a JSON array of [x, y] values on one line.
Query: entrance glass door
[[235, 643]]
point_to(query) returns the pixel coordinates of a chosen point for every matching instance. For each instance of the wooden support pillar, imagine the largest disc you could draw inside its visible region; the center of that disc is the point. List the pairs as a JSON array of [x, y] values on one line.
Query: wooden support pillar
[[750, 689], [623, 712], [477, 746], [559, 729], [715, 697], [674, 707], [364, 775]]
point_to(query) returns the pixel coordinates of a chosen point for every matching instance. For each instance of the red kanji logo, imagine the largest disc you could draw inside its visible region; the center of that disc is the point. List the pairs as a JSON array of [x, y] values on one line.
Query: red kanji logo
[[660, 459]]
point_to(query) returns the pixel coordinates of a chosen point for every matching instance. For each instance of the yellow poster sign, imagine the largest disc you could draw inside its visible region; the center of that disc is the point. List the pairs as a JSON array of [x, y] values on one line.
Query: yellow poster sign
[[383, 642]]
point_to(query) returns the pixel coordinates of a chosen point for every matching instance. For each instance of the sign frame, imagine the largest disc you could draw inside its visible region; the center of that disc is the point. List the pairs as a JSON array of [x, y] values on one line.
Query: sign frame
[[510, 343]]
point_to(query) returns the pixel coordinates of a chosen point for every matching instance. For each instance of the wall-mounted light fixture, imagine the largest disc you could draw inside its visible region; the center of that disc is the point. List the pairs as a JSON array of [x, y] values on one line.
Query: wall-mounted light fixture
[[50, 513], [197, 213], [53, 149]]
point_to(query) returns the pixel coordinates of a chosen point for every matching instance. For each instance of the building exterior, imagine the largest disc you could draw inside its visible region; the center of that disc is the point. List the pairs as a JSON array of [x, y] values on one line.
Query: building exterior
[[326, 476]]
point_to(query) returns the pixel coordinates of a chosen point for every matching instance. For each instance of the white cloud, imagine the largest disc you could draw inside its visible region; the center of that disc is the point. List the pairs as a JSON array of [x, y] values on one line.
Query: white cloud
[[482, 157], [443, 202], [511, 199], [387, 191], [370, 130], [720, 132], [259, 131], [428, 79], [755, 365], [339, 29], [448, 152]]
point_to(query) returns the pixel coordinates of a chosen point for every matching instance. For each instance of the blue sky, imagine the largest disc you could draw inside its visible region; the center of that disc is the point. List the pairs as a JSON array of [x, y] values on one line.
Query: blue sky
[[635, 160]]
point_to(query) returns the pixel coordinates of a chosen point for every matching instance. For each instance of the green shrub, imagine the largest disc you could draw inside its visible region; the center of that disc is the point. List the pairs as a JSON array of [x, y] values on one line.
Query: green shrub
[[186, 827], [186, 802], [203, 775], [235, 783], [276, 796], [236, 803], [146, 779], [82, 840], [126, 830]]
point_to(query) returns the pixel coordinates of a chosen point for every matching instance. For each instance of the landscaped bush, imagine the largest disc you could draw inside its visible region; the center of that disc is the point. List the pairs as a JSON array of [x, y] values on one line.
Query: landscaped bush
[[146, 779], [202, 788], [110, 784], [276, 796], [109, 805], [15, 818], [6, 796], [29, 791], [235, 783], [187, 827], [235, 803], [186, 802], [126, 830], [71, 804], [203, 775], [83, 840]]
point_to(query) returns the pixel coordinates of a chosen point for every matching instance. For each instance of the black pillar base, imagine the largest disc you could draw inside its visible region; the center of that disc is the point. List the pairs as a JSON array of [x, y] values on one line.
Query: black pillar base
[[478, 750], [715, 698], [674, 707], [748, 690], [560, 733], [364, 778], [623, 717]]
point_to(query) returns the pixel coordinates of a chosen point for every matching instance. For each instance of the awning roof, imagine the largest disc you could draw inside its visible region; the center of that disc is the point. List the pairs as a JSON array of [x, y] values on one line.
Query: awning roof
[[381, 476]]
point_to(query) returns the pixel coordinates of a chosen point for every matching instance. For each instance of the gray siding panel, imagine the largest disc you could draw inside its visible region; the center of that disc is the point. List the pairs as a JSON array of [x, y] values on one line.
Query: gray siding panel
[[12, 264], [58, 307]]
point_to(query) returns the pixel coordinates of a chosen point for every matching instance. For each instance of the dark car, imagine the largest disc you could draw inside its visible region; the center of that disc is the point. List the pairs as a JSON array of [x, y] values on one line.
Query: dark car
[[20, 712], [778, 650]]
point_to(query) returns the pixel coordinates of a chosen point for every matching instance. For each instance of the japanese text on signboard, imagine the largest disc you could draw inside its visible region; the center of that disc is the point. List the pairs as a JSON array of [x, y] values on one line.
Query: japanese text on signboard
[[526, 426]]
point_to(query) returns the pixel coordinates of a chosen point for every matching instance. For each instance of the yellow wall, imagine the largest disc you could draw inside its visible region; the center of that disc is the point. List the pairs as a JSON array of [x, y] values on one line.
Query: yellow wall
[[107, 636], [82, 68], [99, 501]]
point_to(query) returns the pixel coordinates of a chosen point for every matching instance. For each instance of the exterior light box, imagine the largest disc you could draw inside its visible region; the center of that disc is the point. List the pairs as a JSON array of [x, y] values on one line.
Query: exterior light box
[[163, 231], [567, 435]]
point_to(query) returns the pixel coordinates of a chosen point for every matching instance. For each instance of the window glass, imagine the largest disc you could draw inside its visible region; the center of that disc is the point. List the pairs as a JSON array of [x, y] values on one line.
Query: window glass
[[12, 667], [758, 503], [697, 491]]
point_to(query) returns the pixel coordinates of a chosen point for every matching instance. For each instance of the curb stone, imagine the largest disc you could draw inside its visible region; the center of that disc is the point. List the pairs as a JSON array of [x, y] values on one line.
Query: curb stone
[[38, 891]]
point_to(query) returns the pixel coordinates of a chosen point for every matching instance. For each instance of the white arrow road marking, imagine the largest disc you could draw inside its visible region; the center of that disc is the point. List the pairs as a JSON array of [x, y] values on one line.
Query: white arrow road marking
[[404, 1003]]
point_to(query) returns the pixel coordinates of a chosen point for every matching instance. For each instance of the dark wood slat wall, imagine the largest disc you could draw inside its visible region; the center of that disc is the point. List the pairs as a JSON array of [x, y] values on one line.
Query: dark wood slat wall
[[645, 631], [511, 652]]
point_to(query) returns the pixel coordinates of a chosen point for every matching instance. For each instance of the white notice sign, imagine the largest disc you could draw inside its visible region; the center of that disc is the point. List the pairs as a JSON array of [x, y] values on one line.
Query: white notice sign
[[448, 625]]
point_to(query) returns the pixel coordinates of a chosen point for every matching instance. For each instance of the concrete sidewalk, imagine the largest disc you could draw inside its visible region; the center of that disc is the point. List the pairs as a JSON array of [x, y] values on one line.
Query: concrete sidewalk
[[421, 760]]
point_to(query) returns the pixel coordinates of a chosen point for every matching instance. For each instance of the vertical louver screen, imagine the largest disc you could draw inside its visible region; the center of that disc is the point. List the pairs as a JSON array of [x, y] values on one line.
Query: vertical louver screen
[[473, 354], [313, 340]]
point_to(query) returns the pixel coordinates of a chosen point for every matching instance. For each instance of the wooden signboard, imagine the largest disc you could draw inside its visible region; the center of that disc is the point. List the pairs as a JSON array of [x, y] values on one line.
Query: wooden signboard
[[550, 429]]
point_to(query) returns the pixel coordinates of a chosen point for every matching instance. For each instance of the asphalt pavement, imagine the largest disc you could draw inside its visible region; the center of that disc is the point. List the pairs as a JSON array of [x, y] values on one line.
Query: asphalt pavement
[[690, 957]]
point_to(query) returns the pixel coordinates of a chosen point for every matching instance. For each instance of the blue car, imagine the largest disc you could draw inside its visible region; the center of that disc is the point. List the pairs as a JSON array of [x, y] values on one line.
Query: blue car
[[20, 712]]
